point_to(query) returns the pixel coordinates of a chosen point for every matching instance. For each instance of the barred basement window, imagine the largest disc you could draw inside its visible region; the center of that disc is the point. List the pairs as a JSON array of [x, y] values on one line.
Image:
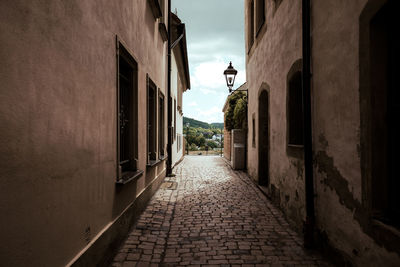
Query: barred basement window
[[151, 121], [127, 97], [295, 110]]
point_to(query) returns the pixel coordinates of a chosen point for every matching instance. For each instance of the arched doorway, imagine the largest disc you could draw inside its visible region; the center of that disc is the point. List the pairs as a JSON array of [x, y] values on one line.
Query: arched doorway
[[263, 138]]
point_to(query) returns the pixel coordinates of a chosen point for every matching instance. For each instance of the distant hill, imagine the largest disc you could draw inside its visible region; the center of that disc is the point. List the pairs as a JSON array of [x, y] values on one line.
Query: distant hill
[[202, 124], [219, 125]]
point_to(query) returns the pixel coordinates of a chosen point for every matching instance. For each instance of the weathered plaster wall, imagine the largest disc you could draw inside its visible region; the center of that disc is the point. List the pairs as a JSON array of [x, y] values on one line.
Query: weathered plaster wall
[[58, 117], [342, 214], [276, 48], [340, 210]]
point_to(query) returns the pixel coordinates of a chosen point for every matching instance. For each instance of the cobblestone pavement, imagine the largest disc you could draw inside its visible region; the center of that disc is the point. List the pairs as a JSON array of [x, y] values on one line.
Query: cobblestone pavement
[[208, 215]]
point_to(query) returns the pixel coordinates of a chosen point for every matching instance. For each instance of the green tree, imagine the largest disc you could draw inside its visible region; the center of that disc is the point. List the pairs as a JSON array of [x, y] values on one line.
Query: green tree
[[211, 144], [193, 147], [200, 140], [208, 133]]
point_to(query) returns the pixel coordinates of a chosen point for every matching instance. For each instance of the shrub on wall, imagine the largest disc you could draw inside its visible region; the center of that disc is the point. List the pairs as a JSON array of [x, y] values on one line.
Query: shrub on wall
[[235, 116]]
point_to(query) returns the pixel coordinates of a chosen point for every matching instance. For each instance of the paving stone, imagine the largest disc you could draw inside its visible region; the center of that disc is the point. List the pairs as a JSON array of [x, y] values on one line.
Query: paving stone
[[212, 215]]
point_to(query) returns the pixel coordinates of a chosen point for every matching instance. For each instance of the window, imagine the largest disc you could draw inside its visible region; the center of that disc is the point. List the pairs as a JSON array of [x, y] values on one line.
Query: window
[[163, 20], [178, 143], [161, 127], [277, 3], [155, 8], [385, 111], [127, 137], [260, 8], [250, 33], [151, 121], [174, 119], [295, 110]]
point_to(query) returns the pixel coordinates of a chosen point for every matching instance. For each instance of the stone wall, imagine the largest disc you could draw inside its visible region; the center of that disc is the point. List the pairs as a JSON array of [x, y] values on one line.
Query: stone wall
[[344, 218], [342, 211], [277, 46]]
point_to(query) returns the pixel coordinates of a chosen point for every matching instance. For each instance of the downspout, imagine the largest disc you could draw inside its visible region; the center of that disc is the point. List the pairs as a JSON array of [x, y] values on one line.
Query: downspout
[[169, 120], [308, 160]]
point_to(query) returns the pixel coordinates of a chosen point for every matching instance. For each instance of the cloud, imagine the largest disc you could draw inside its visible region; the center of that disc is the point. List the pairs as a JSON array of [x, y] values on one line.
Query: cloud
[[209, 74], [214, 48], [207, 91], [193, 104], [209, 115]]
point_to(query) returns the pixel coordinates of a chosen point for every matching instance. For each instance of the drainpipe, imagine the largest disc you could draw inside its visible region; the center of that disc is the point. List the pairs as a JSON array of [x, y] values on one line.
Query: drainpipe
[[169, 120], [308, 160]]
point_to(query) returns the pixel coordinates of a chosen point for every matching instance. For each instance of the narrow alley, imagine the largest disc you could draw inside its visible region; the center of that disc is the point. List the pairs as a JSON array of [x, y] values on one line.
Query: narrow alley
[[208, 215]]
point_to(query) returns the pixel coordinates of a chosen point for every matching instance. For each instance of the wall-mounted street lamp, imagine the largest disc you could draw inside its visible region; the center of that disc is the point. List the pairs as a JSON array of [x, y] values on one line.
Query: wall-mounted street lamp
[[230, 74]]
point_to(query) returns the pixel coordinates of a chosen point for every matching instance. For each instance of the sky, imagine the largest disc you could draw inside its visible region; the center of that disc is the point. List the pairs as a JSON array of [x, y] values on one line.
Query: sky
[[215, 36]]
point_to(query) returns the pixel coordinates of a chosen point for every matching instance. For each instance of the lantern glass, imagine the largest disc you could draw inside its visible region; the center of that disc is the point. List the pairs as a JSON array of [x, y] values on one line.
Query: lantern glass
[[230, 74]]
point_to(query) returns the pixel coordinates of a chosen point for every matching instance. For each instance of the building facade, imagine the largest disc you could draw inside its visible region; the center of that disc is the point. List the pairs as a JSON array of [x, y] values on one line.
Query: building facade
[[273, 45], [180, 82], [352, 112], [83, 114]]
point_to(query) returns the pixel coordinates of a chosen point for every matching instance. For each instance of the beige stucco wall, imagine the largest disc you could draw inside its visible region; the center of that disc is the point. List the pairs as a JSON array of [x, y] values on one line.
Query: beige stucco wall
[[336, 132], [276, 48], [58, 120]]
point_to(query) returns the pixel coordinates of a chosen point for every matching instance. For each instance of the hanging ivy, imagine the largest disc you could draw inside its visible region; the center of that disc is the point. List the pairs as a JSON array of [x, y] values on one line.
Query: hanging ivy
[[235, 116]]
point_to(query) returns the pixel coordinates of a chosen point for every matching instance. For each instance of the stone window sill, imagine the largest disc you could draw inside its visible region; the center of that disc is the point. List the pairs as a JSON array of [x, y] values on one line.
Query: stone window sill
[[295, 151], [128, 177], [153, 163], [394, 231], [296, 146], [386, 234]]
